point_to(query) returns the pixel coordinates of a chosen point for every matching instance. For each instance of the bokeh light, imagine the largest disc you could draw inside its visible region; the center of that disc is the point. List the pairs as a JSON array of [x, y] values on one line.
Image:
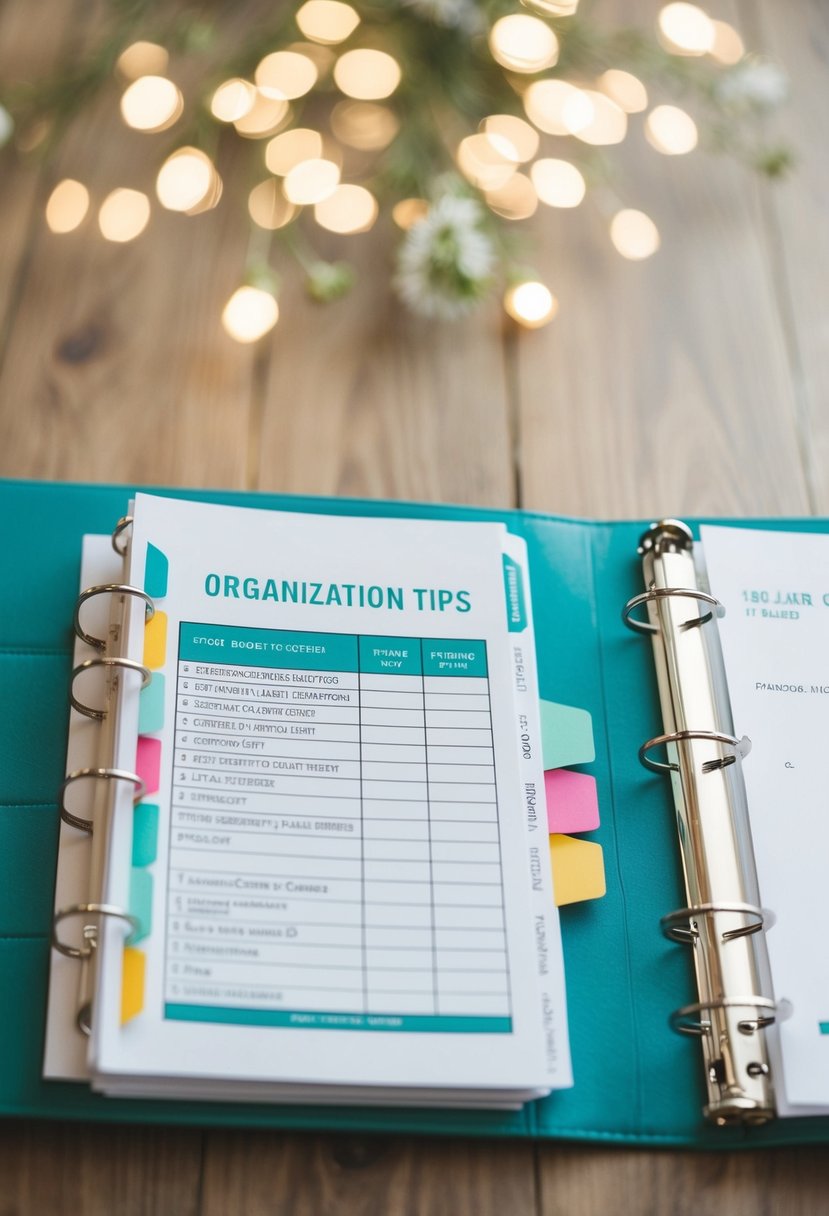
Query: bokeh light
[[249, 314], [728, 47], [557, 182], [544, 103], [349, 209], [593, 118], [67, 205], [311, 181], [327, 21], [268, 207], [625, 89], [266, 116], [124, 214], [151, 103], [142, 59], [291, 147], [364, 125], [634, 234], [285, 75], [516, 200], [531, 304], [686, 29], [188, 182], [367, 75], [522, 43], [511, 136], [233, 100], [671, 131], [482, 163], [409, 211]]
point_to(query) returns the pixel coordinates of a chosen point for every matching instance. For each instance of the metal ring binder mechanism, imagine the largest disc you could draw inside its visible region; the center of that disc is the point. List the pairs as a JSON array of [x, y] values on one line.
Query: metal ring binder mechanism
[[723, 921]]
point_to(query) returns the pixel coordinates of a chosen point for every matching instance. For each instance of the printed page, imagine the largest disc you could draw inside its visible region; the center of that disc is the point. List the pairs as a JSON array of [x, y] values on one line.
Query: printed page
[[775, 641], [340, 889]]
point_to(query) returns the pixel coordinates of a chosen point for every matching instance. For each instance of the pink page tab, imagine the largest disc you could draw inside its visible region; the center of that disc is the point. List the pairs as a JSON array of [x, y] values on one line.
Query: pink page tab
[[572, 801], [148, 763]]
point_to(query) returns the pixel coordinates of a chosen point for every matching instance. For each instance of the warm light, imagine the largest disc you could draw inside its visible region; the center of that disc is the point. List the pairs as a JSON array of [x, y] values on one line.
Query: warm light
[[544, 102], [671, 131], [517, 200], [311, 181], [151, 103], [409, 211], [513, 138], [625, 89], [594, 118], [124, 215], [634, 234], [556, 8], [233, 100], [285, 75], [686, 29], [522, 43], [142, 59], [188, 181], [367, 75], [265, 117], [291, 147], [67, 206], [250, 313], [728, 47], [531, 304], [348, 209], [327, 21], [482, 163], [558, 183], [269, 207], [364, 124]]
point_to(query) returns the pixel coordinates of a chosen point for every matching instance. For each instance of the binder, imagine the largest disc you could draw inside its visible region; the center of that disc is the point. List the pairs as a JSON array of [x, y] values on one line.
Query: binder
[[635, 1081]]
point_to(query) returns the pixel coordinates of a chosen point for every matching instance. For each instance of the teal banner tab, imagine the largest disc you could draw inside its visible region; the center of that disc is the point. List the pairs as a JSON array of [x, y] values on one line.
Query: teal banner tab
[[144, 833], [390, 656], [151, 706], [141, 905], [445, 657], [310, 1019], [155, 573], [514, 591], [267, 647]]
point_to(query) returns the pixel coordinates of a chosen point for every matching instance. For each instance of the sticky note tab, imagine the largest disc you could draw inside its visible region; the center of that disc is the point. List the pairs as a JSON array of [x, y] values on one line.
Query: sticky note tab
[[155, 573], [572, 801], [148, 763], [141, 904], [566, 735], [155, 641], [578, 869], [144, 834], [132, 984], [151, 706]]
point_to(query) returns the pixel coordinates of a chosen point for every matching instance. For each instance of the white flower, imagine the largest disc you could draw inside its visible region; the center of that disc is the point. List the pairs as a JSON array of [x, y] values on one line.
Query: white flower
[[445, 263], [461, 15], [754, 84], [6, 126]]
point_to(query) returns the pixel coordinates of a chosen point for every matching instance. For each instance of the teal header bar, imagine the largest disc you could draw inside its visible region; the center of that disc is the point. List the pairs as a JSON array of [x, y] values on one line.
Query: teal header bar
[[447, 658], [514, 591], [310, 1019], [267, 647], [390, 656]]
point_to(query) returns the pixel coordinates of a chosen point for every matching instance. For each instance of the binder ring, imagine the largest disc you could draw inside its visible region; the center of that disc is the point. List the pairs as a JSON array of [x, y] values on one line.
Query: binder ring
[[108, 774], [687, 1020], [91, 909], [673, 927], [741, 748], [126, 664], [123, 523], [664, 593], [107, 589]]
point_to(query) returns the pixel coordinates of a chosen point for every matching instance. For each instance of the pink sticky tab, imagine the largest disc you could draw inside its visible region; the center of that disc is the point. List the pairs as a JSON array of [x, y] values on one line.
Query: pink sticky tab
[[148, 763], [572, 801]]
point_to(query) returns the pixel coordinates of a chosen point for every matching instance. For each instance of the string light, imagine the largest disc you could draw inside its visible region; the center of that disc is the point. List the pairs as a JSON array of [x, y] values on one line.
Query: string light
[[311, 181], [511, 136], [124, 214], [188, 182], [233, 100], [327, 21], [558, 183], [523, 44], [634, 234], [291, 148], [364, 125], [266, 116], [285, 75], [728, 47], [67, 206], [249, 314], [482, 163], [367, 75], [151, 103], [671, 131], [268, 206], [142, 59], [625, 89], [555, 8], [516, 200], [544, 103], [594, 118], [531, 304], [686, 29], [349, 209]]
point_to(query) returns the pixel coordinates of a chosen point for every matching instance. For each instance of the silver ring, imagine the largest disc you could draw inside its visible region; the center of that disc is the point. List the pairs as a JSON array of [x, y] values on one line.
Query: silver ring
[[672, 925], [107, 589], [687, 1020], [665, 593], [741, 748], [108, 774], [92, 909], [123, 523], [127, 664]]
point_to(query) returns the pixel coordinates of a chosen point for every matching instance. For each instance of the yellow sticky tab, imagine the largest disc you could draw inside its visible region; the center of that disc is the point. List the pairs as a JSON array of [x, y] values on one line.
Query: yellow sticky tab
[[155, 641], [578, 869], [132, 983]]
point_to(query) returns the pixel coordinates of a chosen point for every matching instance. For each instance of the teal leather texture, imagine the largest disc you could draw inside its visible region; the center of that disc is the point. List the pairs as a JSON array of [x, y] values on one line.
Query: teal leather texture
[[635, 1081]]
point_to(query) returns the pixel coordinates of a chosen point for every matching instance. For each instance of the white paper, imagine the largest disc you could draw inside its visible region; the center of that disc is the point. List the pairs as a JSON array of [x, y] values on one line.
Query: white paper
[[775, 642]]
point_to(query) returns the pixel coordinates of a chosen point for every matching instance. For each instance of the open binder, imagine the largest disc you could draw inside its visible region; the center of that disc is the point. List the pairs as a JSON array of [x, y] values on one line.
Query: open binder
[[635, 1081]]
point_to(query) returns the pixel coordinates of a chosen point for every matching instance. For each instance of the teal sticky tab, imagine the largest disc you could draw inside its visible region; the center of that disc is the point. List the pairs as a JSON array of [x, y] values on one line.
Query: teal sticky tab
[[151, 706], [155, 573], [566, 735], [514, 591], [144, 834], [141, 904]]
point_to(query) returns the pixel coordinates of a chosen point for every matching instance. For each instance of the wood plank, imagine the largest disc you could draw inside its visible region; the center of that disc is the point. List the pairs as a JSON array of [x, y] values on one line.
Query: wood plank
[[256, 1174], [663, 386]]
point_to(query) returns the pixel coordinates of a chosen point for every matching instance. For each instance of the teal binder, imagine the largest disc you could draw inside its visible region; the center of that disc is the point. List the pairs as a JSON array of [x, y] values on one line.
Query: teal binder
[[635, 1081]]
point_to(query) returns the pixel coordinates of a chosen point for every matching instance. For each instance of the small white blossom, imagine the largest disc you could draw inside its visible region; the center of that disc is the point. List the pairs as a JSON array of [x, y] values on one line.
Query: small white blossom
[[754, 84], [461, 15], [446, 262], [6, 126]]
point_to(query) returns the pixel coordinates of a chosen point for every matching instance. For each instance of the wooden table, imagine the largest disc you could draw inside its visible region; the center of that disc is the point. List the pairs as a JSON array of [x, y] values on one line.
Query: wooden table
[[695, 382]]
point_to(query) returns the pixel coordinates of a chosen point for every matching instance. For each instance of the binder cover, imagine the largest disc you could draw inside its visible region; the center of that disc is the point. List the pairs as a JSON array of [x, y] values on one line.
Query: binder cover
[[635, 1081]]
